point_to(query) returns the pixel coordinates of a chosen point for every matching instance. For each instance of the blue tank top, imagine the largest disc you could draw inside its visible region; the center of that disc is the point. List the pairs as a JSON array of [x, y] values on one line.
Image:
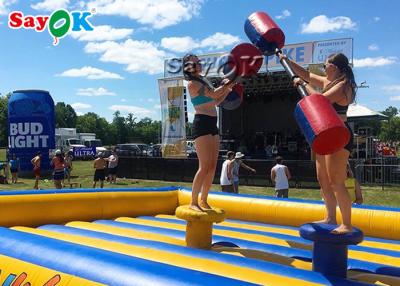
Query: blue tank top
[[201, 98]]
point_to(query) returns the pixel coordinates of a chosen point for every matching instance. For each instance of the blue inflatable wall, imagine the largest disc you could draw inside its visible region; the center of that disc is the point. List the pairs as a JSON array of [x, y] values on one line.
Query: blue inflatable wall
[[31, 126]]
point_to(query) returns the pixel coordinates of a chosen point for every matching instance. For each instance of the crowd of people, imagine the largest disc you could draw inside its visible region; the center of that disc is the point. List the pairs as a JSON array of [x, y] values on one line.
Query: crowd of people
[[387, 149], [62, 166]]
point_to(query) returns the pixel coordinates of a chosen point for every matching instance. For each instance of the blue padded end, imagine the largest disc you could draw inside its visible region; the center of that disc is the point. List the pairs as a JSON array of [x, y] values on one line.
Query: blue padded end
[[321, 232]]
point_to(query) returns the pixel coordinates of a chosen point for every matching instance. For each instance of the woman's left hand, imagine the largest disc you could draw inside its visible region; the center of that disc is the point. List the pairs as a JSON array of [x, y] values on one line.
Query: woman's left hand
[[297, 81]]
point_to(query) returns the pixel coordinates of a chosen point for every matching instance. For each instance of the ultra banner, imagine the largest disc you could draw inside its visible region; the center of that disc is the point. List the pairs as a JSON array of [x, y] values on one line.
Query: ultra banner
[[173, 118]]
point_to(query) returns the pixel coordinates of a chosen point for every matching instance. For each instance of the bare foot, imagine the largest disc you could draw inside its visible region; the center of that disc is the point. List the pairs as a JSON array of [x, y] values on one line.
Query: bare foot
[[342, 229], [327, 221], [205, 206], [195, 208]]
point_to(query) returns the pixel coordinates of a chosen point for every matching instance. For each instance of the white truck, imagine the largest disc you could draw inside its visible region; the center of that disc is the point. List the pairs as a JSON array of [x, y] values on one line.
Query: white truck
[[67, 139], [89, 140]]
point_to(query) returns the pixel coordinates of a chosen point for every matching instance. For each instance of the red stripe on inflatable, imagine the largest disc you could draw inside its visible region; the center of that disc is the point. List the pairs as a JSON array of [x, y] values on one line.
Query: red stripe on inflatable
[[267, 28], [330, 131]]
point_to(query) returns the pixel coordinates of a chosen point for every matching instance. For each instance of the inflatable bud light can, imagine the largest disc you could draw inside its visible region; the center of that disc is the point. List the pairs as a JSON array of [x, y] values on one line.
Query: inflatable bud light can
[[31, 127]]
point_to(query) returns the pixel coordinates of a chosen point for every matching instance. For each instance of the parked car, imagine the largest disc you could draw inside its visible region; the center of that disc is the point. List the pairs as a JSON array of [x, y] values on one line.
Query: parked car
[[156, 150], [128, 150], [132, 149]]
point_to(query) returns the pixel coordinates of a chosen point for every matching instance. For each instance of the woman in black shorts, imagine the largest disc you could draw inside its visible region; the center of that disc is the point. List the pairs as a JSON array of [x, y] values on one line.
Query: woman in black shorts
[[204, 98], [339, 87]]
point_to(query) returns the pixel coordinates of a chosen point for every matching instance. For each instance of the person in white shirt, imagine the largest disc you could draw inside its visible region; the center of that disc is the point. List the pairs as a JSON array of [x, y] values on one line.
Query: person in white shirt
[[237, 163], [280, 175], [226, 173], [112, 167]]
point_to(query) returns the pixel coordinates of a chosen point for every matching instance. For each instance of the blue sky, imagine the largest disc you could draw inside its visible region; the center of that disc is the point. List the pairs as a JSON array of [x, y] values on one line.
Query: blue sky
[[116, 66]]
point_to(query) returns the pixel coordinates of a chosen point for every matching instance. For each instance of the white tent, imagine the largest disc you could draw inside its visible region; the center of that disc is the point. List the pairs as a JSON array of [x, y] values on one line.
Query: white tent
[[357, 111]]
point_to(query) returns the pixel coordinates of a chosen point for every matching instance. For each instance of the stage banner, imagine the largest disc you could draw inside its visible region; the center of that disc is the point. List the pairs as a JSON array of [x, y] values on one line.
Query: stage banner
[[324, 49], [299, 53], [172, 100]]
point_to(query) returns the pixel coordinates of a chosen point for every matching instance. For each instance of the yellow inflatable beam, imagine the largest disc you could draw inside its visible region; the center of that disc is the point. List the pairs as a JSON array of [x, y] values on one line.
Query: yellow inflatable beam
[[58, 208], [199, 225]]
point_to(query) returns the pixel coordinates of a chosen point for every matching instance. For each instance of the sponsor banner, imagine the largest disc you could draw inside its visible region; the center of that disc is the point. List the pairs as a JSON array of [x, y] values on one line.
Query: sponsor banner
[[299, 53], [173, 118], [324, 49], [212, 65], [82, 152]]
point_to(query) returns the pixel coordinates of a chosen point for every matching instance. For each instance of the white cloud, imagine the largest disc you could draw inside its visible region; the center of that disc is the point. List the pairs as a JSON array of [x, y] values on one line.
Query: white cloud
[[157, 106], [90, 73], [50, 5], [138, 56], [219, 41], [285, 13], [79, 105], [156, 13], [374, 62], [376, 19], [395, 98], [323, 24], [102, 33], [4, 4], [79, 113], [179, 44], [391, 88], [137, 111], [185, 44], [101, 91], [373, 47], [123, 100]]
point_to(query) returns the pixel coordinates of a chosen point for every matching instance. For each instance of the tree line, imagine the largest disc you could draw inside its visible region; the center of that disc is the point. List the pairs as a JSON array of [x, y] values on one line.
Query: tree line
[[130, 129], [122, 129]]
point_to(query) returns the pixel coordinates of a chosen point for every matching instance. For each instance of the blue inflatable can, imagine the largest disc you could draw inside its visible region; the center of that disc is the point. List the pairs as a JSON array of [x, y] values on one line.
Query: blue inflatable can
[[31, 126]]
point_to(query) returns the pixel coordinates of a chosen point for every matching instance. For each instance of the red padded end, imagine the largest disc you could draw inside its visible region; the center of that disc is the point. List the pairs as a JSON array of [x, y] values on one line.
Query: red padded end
[[331, 134], [266, 27]]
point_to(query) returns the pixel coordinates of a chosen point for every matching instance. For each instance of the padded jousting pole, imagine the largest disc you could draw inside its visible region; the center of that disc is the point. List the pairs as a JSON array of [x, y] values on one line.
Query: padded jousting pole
[[321, 125]]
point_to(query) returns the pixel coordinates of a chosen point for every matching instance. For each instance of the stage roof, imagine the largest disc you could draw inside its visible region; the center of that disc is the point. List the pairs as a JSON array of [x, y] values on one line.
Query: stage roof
[[357, 111]]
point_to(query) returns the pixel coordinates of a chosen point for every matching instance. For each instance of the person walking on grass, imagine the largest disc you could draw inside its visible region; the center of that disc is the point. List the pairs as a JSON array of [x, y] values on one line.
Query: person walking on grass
[[226, 179], [112, 167], [237, 163], [58, 164], [36, 161], [14, 168], [100, 164], [68, 166], [280, 175]]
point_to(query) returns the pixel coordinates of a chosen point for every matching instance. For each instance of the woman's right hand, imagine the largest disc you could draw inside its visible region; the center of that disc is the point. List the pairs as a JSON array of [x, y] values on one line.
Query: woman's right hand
[[225, 81], [282, 56]]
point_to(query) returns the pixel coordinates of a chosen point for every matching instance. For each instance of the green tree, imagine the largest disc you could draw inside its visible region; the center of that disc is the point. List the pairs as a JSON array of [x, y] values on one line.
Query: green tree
[[87, 123], [121, 130], [391, 112], [65, 115], [92, 123], [148, 130], [390, 130], [3, 119]]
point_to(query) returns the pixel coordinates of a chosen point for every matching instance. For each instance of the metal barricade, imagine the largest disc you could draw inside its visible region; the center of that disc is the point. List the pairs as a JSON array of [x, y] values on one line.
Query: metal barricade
[[378, 174]]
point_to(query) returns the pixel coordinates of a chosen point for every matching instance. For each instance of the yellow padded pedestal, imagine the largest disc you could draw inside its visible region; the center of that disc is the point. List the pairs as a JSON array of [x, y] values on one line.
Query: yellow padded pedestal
[[199, 225]]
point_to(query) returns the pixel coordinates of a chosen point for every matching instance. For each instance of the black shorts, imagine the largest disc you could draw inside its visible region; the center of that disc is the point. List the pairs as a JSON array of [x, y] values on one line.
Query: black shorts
[[350, 146], [227, 188], [99, 175], [112, 171], [204, 125], [13, 171]]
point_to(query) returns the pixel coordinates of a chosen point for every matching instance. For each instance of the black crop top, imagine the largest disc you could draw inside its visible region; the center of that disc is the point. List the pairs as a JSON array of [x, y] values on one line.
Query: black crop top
[[340, 109]]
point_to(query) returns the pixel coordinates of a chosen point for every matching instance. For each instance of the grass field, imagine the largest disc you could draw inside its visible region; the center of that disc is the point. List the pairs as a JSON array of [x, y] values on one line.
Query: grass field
[[83, 173]]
